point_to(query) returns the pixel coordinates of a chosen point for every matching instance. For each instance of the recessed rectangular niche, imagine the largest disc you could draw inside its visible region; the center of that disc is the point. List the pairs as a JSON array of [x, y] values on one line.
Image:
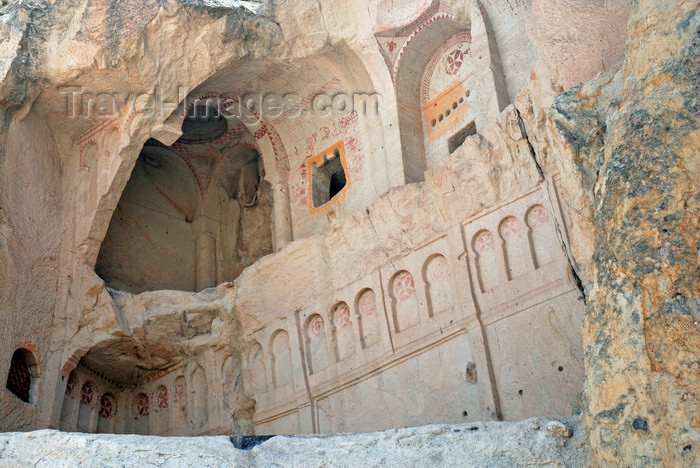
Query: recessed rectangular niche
[[328, 175], [456, 140]]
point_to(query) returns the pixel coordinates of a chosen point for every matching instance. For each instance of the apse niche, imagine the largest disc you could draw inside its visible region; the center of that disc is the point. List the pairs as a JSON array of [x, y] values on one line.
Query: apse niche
[[193, 214]]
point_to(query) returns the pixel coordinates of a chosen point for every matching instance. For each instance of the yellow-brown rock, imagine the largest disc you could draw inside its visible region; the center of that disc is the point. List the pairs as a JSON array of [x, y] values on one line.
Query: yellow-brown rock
[[635, 135]]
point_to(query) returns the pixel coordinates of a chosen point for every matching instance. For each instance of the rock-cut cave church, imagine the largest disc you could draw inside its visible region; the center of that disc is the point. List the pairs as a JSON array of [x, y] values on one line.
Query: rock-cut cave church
[[418, 244]]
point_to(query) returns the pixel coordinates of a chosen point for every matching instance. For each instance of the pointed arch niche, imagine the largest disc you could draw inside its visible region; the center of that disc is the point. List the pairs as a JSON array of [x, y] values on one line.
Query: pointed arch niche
[[445, 74]]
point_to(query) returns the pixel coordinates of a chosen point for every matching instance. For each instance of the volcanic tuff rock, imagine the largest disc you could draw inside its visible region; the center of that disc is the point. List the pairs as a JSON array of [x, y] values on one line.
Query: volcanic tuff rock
[[632, 139], [614, 164], [470, 445]]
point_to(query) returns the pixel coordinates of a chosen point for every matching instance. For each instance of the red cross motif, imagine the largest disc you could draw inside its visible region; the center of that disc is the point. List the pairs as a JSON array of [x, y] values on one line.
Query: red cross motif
[[179, 390], [317, 325], [438, 270], [454, 62], [484, 242], [107, 406], [368, 305], [510, 228], [70, 385], [538, 217], [162, 398], [142, 405], [404, 288], [342, 316], [86, 393]]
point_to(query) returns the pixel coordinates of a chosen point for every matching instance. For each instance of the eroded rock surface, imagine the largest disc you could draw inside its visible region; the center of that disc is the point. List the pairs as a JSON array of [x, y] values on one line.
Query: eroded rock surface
[[431, 265], [633, 136]]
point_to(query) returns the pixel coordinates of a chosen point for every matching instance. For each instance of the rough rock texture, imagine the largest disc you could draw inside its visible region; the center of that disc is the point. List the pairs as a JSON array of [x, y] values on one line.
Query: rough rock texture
[[633, 138], [476, 271], [525, 443], [576, 39], [424, 288]]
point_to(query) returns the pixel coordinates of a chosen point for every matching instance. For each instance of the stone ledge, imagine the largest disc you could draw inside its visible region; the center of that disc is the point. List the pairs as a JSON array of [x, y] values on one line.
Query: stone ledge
[[493, 444]]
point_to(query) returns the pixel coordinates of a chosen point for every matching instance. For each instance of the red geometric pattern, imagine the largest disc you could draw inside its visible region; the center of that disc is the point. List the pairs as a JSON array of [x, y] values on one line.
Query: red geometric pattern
[[537, 217], [317, 325], [454, 62], [342, 316], [404, 287], [260, 133], [87, 393], [397, 60], [19, 379], [438, 269], [178, 390], [484, 243], [368, 303], [108, 406], [71, 384], [162, 398], [143, 406], [462, 39], [510, 228]]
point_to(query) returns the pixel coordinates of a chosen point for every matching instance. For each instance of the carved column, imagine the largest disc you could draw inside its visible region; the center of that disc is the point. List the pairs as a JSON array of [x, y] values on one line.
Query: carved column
[[282, 217], [206, 262]]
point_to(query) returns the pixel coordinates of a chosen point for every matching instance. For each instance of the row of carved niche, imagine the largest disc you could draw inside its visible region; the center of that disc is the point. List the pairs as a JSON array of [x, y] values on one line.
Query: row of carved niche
[[402, 289], [141, 404], [522, 245], [159, 398], [91, 393]]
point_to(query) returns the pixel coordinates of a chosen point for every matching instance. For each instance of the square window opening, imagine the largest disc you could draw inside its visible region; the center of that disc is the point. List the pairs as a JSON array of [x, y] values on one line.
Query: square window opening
[[329, 179]]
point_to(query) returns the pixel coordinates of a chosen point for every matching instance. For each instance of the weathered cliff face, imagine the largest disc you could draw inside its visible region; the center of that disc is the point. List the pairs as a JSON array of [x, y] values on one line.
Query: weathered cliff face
[[63, 179], [575, 40], [476, 272], [632, 138], [56, 199]]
